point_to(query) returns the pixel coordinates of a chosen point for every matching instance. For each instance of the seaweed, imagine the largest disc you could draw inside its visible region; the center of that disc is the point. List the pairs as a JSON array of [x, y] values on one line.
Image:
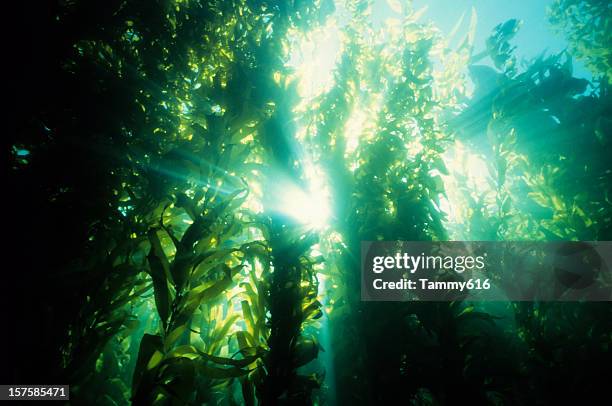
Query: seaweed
[[157, 151]]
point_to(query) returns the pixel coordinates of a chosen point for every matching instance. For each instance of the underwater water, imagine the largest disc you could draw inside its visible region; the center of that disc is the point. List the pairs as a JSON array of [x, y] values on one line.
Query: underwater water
[[190, 183]]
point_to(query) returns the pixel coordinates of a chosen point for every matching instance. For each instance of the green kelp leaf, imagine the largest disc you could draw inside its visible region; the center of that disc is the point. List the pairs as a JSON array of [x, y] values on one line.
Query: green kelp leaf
[[305, 350], [233, 230], [507, 204], [472, 29], [119, 392], [220, 373], [467, 309], [175, 335], [207, 292], [240, 363], [185, 257], [205, 244], [158, 251], [248, 391], [255, 300], [182, 264], [183, 201], [179, 378], [210, 260], [312, 310], [557, 203], [539, 198], [186, 351], [242, 340], [156, 358], [231, 202], [468, 40], [128, 298], [248, 318], [508, 29], [258, 250], [499, 48], [161, 291], [220, 333], [248, 345], [160, 281], [142, 379], [194, 233]]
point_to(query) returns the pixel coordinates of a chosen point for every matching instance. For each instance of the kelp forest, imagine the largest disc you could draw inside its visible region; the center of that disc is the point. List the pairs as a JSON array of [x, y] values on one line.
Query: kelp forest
[[190, 181]]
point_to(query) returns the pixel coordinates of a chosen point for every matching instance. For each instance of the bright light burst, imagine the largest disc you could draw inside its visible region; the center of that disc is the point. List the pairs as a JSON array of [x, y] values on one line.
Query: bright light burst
[[310, 207]]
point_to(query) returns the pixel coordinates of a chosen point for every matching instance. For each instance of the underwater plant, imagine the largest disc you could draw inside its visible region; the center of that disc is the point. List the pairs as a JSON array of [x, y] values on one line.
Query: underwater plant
[[191, 182]]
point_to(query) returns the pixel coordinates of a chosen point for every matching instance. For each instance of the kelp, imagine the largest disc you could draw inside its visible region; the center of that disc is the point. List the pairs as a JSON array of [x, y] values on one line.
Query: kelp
[[167, 272], [586, 25]]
